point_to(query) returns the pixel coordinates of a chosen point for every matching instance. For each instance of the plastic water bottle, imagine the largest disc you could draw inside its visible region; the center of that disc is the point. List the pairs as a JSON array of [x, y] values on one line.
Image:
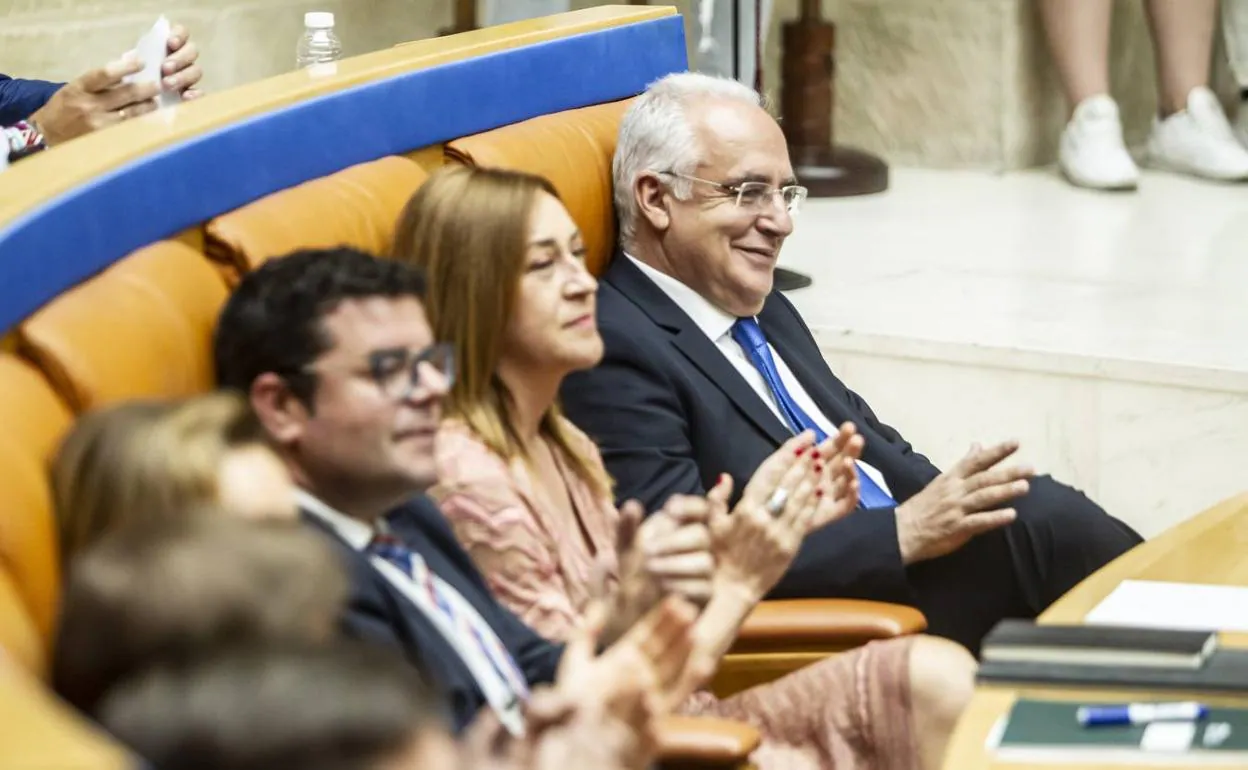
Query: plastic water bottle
[[319, 44]]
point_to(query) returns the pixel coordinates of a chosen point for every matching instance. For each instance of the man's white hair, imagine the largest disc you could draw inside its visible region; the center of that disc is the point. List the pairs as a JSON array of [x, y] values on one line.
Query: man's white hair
[[656, 135]]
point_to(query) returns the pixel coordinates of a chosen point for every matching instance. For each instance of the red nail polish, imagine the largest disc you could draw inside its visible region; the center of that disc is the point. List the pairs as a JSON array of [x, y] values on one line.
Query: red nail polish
[[818, 467], [819, 492], [799, 451]]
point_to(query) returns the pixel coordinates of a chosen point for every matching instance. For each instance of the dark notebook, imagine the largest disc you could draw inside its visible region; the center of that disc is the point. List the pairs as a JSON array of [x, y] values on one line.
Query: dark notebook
[[1049, 732], [1023, 641], [1225, 671]]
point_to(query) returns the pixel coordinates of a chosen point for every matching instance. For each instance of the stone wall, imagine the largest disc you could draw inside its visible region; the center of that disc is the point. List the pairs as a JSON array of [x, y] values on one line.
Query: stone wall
[[968, 83], [241, 40], [936, 83]]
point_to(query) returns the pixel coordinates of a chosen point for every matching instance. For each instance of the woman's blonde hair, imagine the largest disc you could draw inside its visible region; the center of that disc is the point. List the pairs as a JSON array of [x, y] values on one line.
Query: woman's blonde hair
[[142, 461], [468, 228]]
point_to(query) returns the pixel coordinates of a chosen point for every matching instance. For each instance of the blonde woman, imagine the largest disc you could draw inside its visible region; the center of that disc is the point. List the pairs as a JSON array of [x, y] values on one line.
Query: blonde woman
[[144, 460], [528, 495]]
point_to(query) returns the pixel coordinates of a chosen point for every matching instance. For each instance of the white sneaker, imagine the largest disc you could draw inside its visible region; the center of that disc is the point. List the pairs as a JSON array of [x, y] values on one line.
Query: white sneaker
[[1199, 140], [1092, 153]]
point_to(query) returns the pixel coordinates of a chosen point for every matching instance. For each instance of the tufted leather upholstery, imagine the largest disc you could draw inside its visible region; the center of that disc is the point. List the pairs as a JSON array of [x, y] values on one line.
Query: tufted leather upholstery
[[573, 150], [142, 328], [358, 207], [34, 420]]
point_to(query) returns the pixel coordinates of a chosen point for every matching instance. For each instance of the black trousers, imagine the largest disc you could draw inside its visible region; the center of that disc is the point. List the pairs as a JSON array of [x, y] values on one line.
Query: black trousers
[[1059, 538]]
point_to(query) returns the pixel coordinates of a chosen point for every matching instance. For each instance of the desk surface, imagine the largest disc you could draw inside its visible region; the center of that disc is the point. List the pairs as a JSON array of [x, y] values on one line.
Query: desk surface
[[1209, 548]]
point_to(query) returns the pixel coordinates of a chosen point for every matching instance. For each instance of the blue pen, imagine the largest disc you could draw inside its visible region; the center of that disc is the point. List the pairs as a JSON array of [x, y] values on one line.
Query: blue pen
[[1141, 713]]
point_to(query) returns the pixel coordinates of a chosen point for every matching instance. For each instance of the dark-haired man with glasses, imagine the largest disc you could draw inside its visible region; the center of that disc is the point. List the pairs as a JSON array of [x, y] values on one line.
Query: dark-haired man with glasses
[[707, 370]]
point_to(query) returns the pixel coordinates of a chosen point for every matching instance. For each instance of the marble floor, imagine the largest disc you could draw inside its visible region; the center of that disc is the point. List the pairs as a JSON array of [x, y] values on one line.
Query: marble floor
[[1108, 332]]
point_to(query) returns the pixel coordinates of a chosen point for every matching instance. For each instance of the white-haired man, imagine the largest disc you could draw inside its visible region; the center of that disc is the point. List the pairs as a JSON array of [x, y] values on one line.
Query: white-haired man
[[707, 370]]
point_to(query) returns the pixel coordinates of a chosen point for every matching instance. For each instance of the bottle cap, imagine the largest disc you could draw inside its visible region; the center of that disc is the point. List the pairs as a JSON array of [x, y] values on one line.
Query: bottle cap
[[318, 20]]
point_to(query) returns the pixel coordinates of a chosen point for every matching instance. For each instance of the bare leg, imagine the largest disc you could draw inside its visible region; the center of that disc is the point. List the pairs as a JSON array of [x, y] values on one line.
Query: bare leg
[[1078, 34], [1183, 33], [942, 679]]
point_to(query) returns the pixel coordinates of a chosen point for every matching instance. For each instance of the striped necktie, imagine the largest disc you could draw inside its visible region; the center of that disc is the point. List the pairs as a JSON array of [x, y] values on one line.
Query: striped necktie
[[469, 625]]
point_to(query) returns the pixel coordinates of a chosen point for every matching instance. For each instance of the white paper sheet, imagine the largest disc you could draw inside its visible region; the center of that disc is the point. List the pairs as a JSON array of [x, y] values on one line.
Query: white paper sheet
[[1187, 606], [152, 50]]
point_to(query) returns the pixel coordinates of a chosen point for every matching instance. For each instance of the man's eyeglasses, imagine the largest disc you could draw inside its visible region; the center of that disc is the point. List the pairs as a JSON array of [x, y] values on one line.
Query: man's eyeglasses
[[399, 371], [754, 196]]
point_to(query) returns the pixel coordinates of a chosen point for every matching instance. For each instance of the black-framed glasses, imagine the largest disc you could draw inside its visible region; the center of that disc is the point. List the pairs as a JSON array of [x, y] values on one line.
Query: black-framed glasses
[[754, 196], [398, 372]]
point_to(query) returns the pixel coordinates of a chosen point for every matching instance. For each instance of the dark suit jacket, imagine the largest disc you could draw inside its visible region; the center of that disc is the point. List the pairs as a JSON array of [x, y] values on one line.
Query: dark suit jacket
[[378, 612], [670, 414], [19, 99]]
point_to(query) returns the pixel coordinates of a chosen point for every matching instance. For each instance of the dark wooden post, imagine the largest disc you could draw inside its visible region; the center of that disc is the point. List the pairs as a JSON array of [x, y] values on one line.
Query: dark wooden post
[[807, 101], [465, 17]]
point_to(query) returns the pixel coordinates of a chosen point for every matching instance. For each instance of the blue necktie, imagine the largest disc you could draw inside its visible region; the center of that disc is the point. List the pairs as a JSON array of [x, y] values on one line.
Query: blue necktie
[[747, 334]]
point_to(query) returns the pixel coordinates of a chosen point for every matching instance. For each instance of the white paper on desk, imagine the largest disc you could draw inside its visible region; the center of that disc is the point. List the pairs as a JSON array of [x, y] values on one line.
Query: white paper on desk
[[152, 50], [1184, 606]]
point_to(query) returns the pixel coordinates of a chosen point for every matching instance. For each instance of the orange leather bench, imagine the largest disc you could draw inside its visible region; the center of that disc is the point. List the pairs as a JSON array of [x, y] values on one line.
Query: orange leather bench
[[143, 328], [356, 207]]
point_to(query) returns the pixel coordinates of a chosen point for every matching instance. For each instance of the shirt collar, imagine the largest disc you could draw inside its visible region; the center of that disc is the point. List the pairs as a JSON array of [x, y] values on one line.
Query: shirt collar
[[356, 533], [713, 322]]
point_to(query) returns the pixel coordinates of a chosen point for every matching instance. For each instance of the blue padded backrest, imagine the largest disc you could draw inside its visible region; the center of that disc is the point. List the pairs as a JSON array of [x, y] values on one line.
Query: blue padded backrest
[[79, 233]]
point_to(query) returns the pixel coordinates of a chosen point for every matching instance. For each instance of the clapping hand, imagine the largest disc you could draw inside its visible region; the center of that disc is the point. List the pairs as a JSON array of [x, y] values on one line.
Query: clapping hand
[[668, 553], [755, 542], [836, 459], [800, 487], [596, 714], [961, 503], [675, 546], [654, 653]]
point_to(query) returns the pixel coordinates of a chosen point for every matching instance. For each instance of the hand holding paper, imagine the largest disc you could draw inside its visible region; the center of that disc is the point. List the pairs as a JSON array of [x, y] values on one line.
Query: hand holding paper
[[151, 51]]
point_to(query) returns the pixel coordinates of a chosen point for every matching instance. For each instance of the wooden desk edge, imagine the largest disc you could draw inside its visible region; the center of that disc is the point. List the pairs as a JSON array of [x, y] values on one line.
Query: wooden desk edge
[[967, 749]]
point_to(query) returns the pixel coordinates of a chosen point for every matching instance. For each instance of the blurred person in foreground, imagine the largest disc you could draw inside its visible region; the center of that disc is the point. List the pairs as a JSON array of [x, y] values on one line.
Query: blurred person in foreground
[[184, 588], [137, 463], [277, 706], [332, 706]]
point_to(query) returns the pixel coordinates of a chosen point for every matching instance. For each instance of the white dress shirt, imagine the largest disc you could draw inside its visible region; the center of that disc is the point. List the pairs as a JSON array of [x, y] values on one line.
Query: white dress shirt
[[717, 326], [500, 694]]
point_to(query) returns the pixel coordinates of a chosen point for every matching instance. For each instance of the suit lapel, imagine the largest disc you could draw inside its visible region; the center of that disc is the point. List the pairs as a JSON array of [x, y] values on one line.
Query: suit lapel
[[694, 345], [787, 336]]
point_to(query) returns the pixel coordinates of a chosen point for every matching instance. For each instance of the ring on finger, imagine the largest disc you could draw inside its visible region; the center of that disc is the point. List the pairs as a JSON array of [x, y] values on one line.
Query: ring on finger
[[775, 504]]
